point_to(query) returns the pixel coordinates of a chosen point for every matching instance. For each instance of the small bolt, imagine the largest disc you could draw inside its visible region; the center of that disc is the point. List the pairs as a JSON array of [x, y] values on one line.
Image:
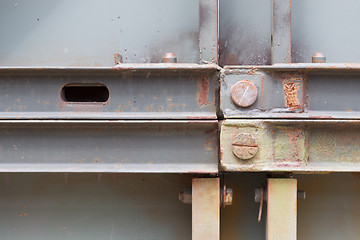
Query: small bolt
[[169, 58], [318, 57], [228, 197], [244, 146], [117, 58], [244, 93], [186, 196], [301, 194]]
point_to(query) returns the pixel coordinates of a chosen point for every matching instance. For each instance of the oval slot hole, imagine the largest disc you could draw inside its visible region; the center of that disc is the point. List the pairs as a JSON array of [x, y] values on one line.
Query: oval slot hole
[[84, 93]]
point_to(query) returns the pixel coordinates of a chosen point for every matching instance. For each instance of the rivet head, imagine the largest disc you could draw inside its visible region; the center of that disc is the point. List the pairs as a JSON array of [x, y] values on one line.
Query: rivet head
[[318, 57], [244, 93], [169, 58], [244, 146]]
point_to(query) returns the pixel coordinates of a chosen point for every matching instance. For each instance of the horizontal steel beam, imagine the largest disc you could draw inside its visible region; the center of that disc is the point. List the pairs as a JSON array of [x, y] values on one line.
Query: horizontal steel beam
[[290, 145], [309, 67], [134, 91], [109, 146], [291, 91], [119, 67]]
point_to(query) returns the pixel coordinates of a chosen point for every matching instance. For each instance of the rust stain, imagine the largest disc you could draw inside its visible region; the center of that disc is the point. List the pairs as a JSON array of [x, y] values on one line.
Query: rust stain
[[204, 91], [291, 94]]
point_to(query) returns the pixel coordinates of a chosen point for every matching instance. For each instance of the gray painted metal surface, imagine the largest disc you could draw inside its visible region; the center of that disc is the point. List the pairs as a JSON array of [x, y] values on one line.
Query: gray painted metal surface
[[244, 32], [281, 31], [316, 26], [325, 26], [88, 33], [208, 31], [163, 118], [109, 146], [127, 206], [150, 91], [93, 206]]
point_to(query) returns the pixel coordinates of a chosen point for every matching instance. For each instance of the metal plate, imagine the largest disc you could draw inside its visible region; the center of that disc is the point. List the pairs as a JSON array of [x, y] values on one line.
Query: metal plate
[[88, 33], [245, 32], [315, 28], [109, 146], [150, 91], [295, 91], [93, 206], [294, 145]]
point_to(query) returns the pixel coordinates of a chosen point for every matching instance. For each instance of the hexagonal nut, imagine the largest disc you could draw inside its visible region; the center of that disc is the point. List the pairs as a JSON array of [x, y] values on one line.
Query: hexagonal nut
[[228, 197], [244, 93], [244, 146]]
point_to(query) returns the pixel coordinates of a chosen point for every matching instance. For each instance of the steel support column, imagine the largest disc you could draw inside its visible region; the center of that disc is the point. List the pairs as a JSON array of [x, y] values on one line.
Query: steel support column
[[206, 209], [281, 209], [208, 31], [281, 31]]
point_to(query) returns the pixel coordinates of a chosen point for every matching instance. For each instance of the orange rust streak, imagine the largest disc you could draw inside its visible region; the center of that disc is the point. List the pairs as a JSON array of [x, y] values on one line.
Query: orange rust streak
[[291, 97], [204, 92]]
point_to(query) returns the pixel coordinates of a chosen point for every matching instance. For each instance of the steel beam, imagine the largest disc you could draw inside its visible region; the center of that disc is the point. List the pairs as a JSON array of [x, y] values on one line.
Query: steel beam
[[140, 91], [206, 209], [281, 209], [293, 91], [109, 146], [290, 145], [281, 31]]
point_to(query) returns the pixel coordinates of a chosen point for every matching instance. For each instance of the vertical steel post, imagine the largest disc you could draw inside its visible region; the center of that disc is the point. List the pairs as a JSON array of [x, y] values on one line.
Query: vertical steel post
[[206, 209], [208, 30], [281, 209], [281, 31]]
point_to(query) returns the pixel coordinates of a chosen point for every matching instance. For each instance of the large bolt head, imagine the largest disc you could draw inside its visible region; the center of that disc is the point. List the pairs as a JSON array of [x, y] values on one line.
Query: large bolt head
[[244, 146], [244, 93]]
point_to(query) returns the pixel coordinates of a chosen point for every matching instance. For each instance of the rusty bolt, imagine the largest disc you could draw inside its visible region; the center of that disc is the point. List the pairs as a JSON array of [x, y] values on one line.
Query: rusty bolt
[[244, 93], [318, 57], [244, 146], [185, 196], [169, 58], [301, 194], [117, 58], [227, 197]]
